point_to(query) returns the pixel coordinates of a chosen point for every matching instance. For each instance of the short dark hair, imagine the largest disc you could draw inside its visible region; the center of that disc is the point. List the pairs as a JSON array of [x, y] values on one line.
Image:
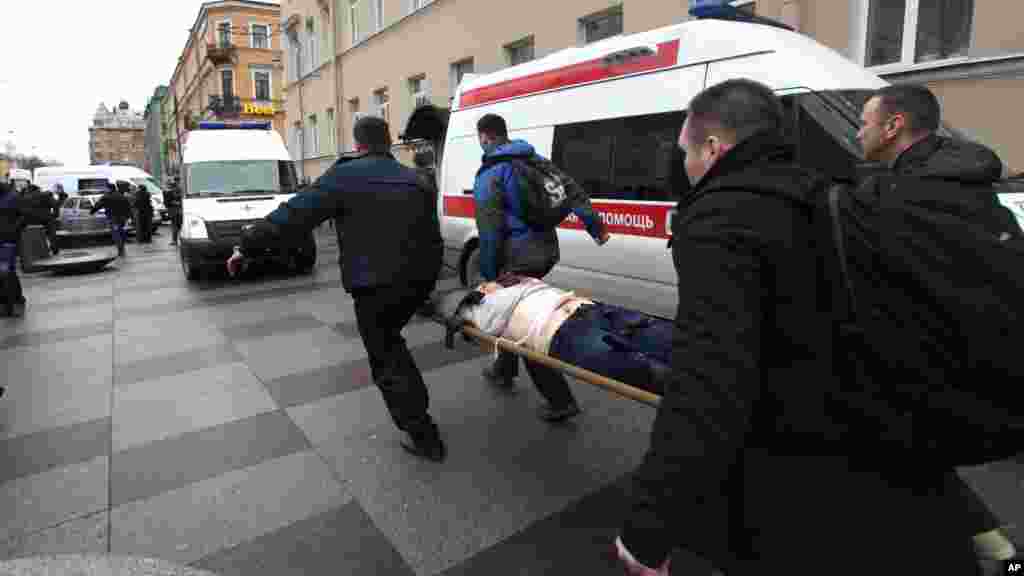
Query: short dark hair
[[493, 125], [740, 107], [916, 102], [374, 133]]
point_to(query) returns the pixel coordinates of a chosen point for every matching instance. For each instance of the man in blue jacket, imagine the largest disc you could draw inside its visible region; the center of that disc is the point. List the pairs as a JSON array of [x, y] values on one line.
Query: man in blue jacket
[[509, 245], [390, 263]]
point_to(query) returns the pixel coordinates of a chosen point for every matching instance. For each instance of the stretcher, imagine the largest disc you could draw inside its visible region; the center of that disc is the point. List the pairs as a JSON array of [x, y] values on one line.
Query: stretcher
[[492, 344]]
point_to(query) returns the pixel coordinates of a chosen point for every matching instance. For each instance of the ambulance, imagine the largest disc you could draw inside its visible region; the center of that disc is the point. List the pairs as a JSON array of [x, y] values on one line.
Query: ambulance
[[610, 114], [233, 174]]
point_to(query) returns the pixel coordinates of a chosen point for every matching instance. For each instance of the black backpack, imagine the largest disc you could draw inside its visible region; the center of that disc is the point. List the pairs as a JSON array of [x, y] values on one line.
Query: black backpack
[[546, 192], [929, 315]]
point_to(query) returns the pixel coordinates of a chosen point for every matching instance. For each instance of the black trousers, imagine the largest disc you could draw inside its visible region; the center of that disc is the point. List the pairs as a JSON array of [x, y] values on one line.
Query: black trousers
[[381, 314], [144, 228]]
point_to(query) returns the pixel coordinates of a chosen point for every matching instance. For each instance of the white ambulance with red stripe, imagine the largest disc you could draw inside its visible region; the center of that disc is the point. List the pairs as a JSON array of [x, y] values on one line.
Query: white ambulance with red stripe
[[610, 114]]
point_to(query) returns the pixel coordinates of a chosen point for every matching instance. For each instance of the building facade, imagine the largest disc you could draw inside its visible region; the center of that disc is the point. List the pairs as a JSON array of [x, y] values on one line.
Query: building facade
[[390, 55], [154, 163], [169, 132], [230, 67], [117, 135], [311, 83]]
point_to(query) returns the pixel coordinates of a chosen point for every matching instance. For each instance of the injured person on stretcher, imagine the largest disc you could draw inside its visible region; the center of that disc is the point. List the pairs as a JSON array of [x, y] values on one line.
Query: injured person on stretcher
[[626, 346]]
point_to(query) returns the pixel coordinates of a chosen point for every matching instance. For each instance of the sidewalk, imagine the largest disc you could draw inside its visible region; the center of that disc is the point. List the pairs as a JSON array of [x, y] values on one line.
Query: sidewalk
[[232, 426]]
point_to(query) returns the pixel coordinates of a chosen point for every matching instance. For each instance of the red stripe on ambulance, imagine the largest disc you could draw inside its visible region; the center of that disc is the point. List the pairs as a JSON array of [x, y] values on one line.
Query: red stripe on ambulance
[[648, 220], [582, 73]]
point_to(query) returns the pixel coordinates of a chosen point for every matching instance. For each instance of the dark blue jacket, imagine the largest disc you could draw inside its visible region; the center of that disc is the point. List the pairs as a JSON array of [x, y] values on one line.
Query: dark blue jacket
[[507, 243], [383, 209]]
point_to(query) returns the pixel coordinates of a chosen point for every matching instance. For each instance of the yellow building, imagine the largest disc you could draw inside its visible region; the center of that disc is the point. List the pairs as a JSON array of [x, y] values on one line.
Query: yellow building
[[230, 67]]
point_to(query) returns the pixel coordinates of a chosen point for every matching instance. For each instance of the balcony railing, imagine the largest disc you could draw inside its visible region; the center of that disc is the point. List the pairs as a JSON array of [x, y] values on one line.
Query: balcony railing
[[221, 53]]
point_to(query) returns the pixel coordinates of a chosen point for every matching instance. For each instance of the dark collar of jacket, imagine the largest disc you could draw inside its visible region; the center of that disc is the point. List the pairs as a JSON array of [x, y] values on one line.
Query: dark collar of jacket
[[945, 158], [763, 148]]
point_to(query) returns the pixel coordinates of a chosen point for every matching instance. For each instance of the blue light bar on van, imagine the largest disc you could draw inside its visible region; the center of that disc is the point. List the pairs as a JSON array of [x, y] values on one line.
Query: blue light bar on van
[[234, 126]]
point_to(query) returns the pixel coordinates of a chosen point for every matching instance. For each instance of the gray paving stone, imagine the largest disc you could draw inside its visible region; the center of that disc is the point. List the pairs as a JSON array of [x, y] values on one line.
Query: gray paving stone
[[320, 383], [144, 471], [341, 541], [176, 363], [338, 417], [284, 354], [56, 385], [53, 322], [166, 407], [285, 325], [139, 339], [85, 535], [55, 448], [73, 332], [35, 503], [203, 518]]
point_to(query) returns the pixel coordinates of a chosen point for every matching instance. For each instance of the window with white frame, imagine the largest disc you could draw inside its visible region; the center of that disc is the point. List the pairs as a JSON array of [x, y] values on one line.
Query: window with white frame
[[353, 19], [224, 33], [915, 31], [313, 138], [415, 5], [458, 70], [382, 103], [419, 90], [260, 36], [519, 52], [261, 85], [601, 25], [313, 60], [331, 129]]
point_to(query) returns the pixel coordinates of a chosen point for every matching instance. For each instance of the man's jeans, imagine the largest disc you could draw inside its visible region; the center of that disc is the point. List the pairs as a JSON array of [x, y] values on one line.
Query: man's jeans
[[630, 347]]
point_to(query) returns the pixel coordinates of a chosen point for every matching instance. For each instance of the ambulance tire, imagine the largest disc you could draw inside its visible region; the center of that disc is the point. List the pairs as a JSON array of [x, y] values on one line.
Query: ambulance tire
[[469, 268], [190, 270], [305, 260]]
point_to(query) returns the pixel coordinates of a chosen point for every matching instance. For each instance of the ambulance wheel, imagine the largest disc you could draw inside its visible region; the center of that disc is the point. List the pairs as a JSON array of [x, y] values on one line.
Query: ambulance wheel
[[190, 270], [305, 259], [469, 272]]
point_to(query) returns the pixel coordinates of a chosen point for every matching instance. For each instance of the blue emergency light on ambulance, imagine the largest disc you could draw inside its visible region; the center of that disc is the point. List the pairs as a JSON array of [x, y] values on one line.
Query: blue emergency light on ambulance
[[709, 8]]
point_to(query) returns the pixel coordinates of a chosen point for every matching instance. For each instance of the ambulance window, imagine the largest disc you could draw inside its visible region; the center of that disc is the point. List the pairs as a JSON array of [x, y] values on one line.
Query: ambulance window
[[635, 158]]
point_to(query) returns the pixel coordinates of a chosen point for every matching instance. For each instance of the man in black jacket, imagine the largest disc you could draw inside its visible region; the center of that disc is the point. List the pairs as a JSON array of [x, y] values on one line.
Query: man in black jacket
[[391, 259], [900, 125], [753, 466], [17, 210], [144, 209], [119, 210], [172, 199]]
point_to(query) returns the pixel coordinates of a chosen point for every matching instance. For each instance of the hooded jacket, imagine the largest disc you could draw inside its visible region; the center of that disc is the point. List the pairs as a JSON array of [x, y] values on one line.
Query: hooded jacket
[[507, 243], [751, 466]]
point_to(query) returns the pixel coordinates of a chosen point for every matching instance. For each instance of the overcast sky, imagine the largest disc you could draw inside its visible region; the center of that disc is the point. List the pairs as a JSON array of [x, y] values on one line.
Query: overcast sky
[[61, 58]]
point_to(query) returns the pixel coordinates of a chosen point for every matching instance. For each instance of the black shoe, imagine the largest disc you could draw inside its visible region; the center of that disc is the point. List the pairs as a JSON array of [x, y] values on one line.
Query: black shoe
[[553, 415], [18, 310], [426, 443], [2, 390], [493, 375]]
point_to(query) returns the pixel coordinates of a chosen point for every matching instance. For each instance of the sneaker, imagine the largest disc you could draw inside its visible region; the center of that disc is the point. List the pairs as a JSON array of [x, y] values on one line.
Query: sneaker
[[552, 415], [426, 444]]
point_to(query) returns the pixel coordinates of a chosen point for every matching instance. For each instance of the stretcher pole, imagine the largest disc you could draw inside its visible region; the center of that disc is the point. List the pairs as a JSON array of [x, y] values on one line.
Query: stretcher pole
[[633, 393]]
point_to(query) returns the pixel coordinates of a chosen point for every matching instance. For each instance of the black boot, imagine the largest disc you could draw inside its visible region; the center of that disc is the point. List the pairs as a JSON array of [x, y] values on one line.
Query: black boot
[[425, 441]]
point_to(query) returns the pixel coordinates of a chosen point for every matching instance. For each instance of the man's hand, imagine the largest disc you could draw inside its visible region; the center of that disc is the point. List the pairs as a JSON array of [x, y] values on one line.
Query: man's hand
[[634, 568], [236, 263], [605, 237]]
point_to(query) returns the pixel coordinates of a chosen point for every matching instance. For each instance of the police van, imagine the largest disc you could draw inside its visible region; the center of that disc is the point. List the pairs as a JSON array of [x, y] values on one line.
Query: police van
[[610, 114], [233, 175]]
